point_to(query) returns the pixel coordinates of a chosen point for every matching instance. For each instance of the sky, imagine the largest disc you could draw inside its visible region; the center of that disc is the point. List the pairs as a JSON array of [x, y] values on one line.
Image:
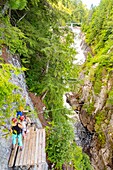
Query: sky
[[89, 2]]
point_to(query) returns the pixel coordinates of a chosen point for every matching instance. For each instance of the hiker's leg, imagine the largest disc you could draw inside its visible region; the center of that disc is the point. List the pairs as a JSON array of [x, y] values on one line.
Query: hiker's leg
[[20, 140], [14, 136], [23, 134]]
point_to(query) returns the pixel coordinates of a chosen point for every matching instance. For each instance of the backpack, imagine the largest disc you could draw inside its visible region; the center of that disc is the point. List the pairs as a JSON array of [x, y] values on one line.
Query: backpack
[[16, 129], [18, 114]]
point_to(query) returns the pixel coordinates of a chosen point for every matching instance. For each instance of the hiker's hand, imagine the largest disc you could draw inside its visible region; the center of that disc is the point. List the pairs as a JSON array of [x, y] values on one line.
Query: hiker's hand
[[10, 130]]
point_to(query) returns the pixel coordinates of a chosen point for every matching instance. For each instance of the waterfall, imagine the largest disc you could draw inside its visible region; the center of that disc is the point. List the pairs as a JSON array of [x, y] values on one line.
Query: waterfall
[[82, 135], [80, 57]]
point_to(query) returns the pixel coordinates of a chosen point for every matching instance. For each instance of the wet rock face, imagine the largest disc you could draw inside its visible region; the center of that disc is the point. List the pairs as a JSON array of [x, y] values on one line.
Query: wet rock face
[[5, 149], [73, 100], [87, 121], [101, 149], [83, 136], [98, 122], [86, 49], [95, 113]]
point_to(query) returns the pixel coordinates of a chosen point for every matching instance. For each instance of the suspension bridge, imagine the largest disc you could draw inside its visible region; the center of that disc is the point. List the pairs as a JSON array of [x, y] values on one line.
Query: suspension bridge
[[73, 24]]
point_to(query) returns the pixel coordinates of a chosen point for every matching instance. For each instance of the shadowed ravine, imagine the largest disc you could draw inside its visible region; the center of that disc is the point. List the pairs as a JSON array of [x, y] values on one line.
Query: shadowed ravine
[[82, 135]]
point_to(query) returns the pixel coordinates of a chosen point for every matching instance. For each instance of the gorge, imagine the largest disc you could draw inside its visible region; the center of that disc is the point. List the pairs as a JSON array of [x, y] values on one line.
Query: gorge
[[95, 115], [34, 35]]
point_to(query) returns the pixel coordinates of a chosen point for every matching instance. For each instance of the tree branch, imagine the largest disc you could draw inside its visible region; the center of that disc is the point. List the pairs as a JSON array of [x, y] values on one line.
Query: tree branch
[[22, 17], [6, 6], [44, 95]]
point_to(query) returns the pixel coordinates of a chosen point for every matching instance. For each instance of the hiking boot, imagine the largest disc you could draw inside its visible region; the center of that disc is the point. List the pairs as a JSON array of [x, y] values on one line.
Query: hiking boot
[[13, 147], [27, 131], [21, 148]]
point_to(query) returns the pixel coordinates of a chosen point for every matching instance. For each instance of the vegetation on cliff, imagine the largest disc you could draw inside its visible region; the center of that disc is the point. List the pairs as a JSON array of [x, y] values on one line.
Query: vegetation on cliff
[[99, 67], [36, 30]]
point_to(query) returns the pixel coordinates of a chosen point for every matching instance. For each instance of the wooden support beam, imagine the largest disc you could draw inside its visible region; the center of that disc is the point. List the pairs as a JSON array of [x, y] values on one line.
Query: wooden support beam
[[12, 156]]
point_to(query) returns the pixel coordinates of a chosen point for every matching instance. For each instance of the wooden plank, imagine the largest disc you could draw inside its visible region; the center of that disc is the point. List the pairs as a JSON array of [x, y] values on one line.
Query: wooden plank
[[33, 149], [33, 152], [40, 167], [20, 162], [41, 155], [19, 159], [26, 149], [32, 138], [36, 153], [39, 147], [43, 146], [31, 129], [42, 139], [32, 133], [12, 157]]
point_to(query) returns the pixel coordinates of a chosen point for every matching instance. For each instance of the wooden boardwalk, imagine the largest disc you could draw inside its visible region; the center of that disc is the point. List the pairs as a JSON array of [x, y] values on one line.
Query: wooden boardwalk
[[33, 153]]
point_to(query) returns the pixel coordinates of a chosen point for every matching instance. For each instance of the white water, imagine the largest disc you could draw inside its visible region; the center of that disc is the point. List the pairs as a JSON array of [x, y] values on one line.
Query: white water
[[81, 136], [80, 57]]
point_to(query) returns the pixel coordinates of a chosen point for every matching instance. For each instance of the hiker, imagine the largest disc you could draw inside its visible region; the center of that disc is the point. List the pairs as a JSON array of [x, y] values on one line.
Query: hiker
[[21, 112], [16, 130], [24, 125], [27, 119]]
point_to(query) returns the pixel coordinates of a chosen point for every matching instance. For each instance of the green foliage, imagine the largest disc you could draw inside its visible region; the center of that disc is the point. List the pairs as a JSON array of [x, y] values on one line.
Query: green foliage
[[79, 12], [90, 108], [81, 160], [110, 98], [8, 97], [100, 118], [60, 146], [102, 138], [98, 28], [35, 33], [59, 139], [17, 4], [98, 69], [98, 81], [12, 37]]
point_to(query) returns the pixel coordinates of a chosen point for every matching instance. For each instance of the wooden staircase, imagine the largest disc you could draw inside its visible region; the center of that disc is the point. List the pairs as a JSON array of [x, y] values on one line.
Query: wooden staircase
[[33, 154]]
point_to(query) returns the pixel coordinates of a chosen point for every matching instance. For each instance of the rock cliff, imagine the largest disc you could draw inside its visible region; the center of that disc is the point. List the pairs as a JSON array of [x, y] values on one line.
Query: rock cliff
[[94, 101], [19, 80]]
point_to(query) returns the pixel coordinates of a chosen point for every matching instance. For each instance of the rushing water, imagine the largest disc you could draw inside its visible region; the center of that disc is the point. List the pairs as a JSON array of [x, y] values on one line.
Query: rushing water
[[80, 57], [82, 136]]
